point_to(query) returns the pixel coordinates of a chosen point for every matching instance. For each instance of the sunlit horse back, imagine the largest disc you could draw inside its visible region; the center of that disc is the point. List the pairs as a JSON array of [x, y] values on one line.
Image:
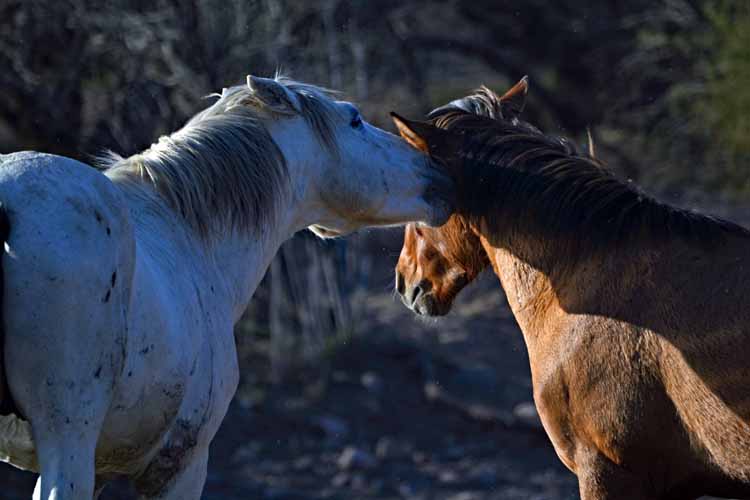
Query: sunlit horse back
[[636, 314], [122, 286]]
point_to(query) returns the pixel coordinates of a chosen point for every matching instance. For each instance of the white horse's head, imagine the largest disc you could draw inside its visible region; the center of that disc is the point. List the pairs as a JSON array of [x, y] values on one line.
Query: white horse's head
[[237, 163], [356, 174]]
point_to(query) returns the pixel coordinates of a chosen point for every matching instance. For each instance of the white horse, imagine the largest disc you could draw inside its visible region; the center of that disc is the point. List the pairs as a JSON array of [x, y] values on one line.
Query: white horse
[[122, 286]]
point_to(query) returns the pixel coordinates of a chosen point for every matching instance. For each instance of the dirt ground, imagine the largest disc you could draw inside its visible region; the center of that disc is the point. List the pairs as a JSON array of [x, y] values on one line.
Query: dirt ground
[[409, 409]]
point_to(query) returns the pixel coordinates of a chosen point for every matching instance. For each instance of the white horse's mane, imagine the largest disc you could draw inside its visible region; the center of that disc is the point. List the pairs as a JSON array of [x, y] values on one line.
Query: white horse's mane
[[222, 169]]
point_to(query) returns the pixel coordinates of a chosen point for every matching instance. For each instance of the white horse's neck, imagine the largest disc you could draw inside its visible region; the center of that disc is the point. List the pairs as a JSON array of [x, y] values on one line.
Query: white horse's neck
[[244, 258], [240, 261], [306, 161], [235, 258]]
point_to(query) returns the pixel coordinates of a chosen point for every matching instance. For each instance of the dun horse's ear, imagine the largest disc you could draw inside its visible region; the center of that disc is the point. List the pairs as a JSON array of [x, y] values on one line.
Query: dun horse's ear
[[514, 100], [274, 95], [414, 132], [592, 148]]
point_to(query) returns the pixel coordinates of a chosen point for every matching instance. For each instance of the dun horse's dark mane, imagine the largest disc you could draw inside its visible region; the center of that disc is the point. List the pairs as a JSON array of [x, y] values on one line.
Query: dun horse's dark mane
[[521, 176], [483, 102]]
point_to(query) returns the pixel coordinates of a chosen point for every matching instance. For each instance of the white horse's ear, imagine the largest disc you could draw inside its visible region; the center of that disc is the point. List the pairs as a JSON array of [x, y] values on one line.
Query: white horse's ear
[[274, 95]]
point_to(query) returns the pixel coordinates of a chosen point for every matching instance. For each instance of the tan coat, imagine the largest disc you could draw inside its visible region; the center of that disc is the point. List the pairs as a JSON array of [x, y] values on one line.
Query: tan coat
[[636, 319]]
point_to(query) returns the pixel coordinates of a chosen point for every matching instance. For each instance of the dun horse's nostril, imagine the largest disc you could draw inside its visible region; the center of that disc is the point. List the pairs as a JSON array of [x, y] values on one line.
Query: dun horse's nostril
[[413, 294], [417, 291]]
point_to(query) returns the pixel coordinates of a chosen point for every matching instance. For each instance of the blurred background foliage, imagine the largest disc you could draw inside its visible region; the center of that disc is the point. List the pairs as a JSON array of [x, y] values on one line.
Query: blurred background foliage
[[664, 84]]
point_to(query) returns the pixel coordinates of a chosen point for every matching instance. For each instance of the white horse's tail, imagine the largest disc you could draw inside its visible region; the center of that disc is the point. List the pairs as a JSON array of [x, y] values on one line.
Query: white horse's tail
[[7, 406]]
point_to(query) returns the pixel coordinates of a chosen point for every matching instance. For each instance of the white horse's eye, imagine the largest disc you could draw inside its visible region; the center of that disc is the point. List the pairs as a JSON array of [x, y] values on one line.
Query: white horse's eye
[[356, 121]]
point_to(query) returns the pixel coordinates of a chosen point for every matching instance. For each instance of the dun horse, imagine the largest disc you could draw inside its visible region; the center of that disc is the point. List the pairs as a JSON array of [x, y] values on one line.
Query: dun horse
[[122, 286], [636, 314]]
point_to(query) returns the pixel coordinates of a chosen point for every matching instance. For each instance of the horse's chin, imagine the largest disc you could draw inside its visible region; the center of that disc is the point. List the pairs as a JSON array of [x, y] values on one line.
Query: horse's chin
[[324, 232], [429, 306]]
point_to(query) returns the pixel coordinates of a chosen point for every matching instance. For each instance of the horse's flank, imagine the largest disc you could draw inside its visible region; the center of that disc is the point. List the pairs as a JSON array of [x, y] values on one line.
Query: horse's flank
[[222, 170]]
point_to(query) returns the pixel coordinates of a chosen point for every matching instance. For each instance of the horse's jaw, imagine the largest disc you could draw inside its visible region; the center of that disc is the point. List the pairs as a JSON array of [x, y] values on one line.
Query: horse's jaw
[[324, 232], [373, 179]]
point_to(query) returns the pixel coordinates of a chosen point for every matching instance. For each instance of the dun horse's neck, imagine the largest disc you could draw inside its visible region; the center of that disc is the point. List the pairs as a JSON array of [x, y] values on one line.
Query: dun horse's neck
[[642, 282], [529, 291], [543, 284]]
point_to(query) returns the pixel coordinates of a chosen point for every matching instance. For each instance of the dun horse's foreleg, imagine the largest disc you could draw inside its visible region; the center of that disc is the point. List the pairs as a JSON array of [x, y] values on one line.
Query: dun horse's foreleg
[[600, 479]]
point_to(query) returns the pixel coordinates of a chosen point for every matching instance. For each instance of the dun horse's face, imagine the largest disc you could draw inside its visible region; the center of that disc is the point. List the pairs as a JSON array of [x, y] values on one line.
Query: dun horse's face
[[436, 264]]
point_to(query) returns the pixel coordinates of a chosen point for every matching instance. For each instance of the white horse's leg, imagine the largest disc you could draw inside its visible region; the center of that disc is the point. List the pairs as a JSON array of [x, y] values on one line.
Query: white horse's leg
[[65, 398], [66, 464], [99, 487], [67, 470], [61, 363], [38, 489], [65, 395], [187, 483]]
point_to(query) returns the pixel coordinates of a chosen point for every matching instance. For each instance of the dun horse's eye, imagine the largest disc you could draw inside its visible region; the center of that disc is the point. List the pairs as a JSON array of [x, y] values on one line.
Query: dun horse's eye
[[356, 121]]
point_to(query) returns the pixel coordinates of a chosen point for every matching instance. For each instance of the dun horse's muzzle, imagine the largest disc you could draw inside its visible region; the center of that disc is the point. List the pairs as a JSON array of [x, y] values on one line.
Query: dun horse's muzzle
[[419, 297]]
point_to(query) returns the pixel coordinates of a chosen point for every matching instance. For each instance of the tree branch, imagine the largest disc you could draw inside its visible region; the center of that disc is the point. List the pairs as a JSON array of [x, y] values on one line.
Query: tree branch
[[505, 63]]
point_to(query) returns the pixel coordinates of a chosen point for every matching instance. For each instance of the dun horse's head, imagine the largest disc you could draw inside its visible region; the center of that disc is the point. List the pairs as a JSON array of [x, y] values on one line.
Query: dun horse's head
[[437, 263]]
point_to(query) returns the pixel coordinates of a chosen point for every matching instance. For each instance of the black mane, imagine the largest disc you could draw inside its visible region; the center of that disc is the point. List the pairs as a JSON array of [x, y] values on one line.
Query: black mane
[[516, 177]]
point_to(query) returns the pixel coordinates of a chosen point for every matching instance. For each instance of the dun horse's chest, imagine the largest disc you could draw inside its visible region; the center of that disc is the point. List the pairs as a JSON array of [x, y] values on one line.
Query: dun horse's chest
[[596, 387]]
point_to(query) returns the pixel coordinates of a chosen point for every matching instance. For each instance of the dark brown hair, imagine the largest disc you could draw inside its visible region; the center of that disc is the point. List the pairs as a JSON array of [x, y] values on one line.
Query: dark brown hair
[[516, 177]]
